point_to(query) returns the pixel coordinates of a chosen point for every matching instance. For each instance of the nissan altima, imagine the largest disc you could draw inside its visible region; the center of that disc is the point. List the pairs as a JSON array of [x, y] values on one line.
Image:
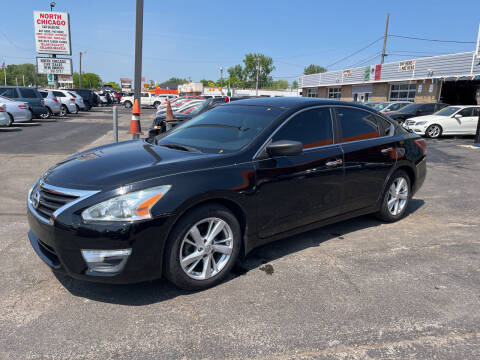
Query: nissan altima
[[186, 204]]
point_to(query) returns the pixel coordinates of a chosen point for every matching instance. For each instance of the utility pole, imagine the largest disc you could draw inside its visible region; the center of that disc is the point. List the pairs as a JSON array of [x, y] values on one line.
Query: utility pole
[[16, 80], [80, 72], [23, 78], [55, 78], [221, 78], [385, 40], [138, 50], [5, 73], [259, 68]]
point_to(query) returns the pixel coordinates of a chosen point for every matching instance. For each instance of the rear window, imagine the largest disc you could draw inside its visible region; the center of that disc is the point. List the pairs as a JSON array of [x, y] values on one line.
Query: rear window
[[28, 93], [44, 94], [357, 124], [9, 92]]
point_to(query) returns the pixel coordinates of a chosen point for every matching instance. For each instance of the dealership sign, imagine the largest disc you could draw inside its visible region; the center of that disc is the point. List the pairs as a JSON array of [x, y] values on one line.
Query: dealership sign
[[407, 65], [126, 83], [52, 32], [54, 66]]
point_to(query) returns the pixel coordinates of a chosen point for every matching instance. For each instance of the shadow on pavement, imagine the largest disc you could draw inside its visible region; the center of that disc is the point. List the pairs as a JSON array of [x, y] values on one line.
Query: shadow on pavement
[[7, 130], [147, 293]]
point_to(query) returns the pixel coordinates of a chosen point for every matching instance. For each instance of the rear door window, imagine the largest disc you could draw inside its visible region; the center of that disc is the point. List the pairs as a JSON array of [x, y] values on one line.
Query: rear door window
[[467, 112], [28, 93], [313, 128], [384, 127], [9, 92], [356, 124], [427, 108]]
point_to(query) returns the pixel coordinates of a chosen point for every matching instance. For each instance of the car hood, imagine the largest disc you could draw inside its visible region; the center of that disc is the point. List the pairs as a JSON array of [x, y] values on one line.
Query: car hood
[[427, 118], [115, 165]]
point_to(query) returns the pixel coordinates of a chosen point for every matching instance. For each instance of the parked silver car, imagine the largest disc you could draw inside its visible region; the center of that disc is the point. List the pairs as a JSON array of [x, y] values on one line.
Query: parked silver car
[[4, 118], [78, 101], [17, 111], [51, 103], [67, 102]]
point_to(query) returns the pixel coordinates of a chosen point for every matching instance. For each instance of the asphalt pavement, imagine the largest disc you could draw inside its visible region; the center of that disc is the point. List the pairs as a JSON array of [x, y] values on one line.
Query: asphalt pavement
[[359, 289]]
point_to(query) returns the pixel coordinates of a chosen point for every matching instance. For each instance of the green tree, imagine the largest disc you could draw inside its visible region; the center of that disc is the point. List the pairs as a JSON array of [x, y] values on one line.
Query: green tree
[[89, 80], [21, 72], [236, 76], [251, 62], [113, 83], [235, 82], [279, 85], [206, 82], [314, 69], [295, 84]]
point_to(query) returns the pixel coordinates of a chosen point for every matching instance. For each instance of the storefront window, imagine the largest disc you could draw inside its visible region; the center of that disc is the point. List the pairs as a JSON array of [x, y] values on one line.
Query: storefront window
[[312, 93], [402, 92], [334, 93]]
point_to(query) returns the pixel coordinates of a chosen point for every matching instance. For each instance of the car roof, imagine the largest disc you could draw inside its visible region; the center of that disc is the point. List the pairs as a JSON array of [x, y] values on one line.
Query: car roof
[[294, 102]]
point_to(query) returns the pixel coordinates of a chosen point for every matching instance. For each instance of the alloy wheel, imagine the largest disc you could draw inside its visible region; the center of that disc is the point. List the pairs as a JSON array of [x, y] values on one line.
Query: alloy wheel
[[63, 111], [433, 131], [206, 248], [397, 196]]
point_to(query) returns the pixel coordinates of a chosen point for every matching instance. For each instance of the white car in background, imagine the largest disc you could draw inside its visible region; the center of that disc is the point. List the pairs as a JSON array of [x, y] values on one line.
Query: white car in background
[[16, 111], [78, 100], [4, 118], [451, 120], [67, 102], [51, 103]]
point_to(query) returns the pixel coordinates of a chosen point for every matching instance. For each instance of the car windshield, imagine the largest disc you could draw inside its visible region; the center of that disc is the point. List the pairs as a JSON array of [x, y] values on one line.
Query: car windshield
[[223, 129], [409, 108], [447, 111], [380, 106], [200, 108], [395, 107]]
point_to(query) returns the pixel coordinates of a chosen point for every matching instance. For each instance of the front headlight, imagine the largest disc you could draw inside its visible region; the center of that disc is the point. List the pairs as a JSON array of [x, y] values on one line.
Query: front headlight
[[129, 207], [420, 123]]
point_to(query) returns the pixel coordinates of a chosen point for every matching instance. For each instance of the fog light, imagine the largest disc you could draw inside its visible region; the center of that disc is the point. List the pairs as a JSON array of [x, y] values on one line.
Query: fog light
[[106, 261]]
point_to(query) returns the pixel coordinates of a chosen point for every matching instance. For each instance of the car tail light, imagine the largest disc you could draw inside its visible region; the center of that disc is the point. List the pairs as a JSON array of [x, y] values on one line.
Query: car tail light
[[227, 99], [55, 99], [72, 99], [2, 109], [422, 144], [43, 102], [22, 106]]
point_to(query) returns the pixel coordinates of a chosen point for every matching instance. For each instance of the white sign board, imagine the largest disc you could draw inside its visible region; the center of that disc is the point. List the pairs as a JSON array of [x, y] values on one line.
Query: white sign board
[[64, 79], [406, 65], [52, 32], [54, 66]]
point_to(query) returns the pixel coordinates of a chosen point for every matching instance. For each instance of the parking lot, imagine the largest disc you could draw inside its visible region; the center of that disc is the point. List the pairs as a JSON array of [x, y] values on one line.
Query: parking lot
[[356, 289]]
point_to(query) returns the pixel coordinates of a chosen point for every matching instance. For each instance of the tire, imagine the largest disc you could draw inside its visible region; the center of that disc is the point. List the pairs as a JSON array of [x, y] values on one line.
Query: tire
[[10, 121], [396, 193], [155, 104], [192, 275], [127, 104], [63, 110], [434, 131], [77, 109], [47, 115]]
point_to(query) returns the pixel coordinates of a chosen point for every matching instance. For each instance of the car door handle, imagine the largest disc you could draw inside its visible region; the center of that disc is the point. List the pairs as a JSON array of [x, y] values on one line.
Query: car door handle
[[387, 150], [334, 163]]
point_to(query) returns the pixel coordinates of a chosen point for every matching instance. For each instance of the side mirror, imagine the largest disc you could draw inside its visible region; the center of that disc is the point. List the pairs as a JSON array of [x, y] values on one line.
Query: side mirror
[[284, 148], [457, 116]]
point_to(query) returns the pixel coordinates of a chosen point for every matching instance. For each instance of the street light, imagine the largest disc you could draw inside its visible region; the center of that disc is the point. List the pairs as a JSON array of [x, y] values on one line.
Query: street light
[[80, 72], [52, 5]]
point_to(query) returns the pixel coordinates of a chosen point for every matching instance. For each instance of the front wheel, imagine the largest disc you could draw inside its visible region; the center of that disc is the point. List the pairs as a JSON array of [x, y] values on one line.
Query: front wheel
[[47, 114], [434, 131], [202, 247], [395, 197], [156, 103], [127, 104]]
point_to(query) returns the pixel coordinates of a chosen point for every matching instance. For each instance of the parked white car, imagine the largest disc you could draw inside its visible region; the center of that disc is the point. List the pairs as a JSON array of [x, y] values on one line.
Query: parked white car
[[4, 118], [146, 99], [17, 111], [67, 102], [51, 103], [451, 120]]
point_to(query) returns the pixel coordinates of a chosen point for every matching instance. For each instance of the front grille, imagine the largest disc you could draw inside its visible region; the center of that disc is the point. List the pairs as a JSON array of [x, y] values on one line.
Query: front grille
[[49, 201]]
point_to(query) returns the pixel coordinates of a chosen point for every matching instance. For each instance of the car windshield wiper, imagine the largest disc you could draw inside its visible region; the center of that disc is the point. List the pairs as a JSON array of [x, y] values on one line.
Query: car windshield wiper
[[180, 147]]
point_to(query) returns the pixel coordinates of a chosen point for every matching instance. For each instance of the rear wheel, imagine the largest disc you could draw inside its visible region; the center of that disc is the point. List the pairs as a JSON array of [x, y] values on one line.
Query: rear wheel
[[127, 104], [63, 110], [77, 109], [395, 197], [202, 247], [10, 121], [434, 131], [47, 114], [156, 103]]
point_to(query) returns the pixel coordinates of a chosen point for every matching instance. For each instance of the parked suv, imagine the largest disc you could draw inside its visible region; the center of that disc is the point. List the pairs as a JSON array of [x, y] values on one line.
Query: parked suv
[[88, 97], [67, 102], [51, 103], [30, 95], [414, 110]]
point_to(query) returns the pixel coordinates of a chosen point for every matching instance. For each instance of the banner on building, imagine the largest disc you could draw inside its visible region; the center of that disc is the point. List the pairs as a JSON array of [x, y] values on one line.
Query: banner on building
[[347, 73], [407, 65], [54, 66], [65, 79], [378, 72], [52, 32]]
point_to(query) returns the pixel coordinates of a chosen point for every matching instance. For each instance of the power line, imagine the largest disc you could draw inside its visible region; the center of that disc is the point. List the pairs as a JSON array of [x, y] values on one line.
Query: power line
[[355, 53], [361, 62], [434, 40]]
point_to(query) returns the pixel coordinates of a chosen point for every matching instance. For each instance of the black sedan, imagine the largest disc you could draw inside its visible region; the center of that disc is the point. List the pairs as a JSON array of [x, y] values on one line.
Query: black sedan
[[412, 110], [186, 204]]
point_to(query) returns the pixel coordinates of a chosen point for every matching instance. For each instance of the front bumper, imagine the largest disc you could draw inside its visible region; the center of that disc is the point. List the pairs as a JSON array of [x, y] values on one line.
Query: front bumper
[[59, 246], [420, 130]]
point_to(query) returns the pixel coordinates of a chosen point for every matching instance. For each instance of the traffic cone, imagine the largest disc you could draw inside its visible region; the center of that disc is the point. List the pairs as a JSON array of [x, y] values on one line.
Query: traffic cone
[[135, 127], [169, 119]]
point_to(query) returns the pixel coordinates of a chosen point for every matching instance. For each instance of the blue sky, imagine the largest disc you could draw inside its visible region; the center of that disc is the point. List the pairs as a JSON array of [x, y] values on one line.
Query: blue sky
[[193, 38]]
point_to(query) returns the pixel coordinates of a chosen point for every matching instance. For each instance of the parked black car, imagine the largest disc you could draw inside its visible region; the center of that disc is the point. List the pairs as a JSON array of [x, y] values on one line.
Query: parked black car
[[415, 110], [243, 174], [26, 94], [88, 96]]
